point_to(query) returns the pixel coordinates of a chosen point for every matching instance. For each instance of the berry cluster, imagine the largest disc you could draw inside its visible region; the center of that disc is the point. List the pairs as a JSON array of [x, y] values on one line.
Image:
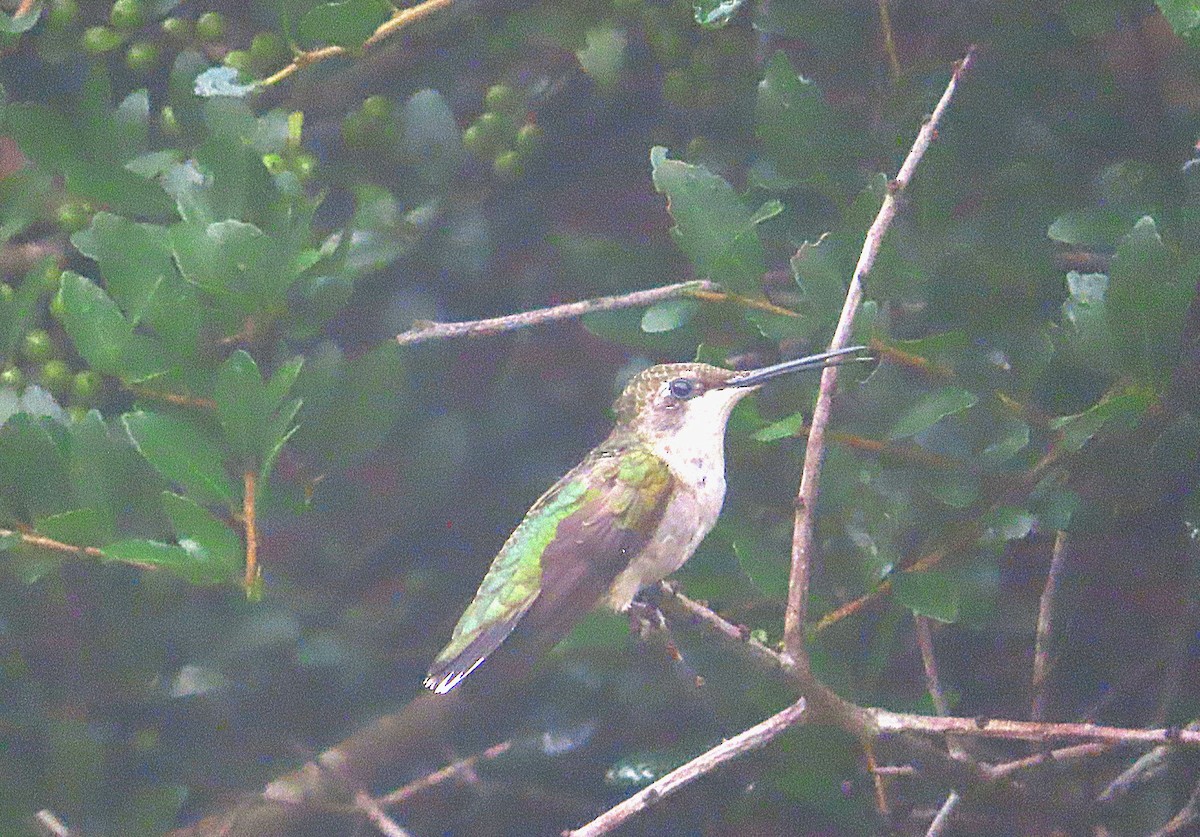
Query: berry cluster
[[503, 133]]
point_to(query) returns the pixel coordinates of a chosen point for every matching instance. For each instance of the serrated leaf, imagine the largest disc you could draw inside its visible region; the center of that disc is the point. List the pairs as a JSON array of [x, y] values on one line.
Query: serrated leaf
[[208, 540], [712, 226], [183, 454], [930, 410], [797, 130], [347, 24], [78, 527], [103, 336], [166, 556], [931, 594], [669, 315]]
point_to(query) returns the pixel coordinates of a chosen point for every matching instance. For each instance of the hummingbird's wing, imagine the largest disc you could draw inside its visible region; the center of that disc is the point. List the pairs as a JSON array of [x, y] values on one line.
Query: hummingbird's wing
[[561, 559]]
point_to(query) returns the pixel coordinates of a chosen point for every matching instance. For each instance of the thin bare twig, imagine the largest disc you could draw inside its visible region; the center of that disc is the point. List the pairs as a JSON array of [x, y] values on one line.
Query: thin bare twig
[[44, 542], [893, 722], [699, 289], [1185, 821], [459, 768], [750, 739], [387, 826], [933, 685], [249, 519], [1042, 660], [401, 19], [804, 530]]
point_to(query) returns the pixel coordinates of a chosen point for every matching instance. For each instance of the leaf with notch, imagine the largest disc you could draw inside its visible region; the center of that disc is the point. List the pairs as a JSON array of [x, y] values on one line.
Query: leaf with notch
[[208, 540]]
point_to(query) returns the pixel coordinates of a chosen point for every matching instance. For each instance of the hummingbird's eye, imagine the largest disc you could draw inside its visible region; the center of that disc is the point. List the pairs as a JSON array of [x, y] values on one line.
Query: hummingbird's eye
[[682, 388]]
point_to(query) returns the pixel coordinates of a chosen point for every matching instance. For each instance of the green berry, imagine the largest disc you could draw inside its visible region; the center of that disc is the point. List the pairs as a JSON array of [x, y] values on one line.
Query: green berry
[[356, 129], [56, 376], [13, 377], [501, 97], [275, 163], [168, 121], [127, 15], [495, 126], [508, 166], [239, 59], [62, 14], [529, 139], [74, 216], [6, 293], [98, 39], [177, 29], [36, 345], [267, 51], [476, 142], [377, 108], [86, 386], [304, 165], [141, 56], [210, 27]]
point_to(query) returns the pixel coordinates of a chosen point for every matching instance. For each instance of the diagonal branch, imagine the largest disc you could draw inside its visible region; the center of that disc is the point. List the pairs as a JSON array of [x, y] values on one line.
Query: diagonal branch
[[700, 289], [803, 530], [751, 739]]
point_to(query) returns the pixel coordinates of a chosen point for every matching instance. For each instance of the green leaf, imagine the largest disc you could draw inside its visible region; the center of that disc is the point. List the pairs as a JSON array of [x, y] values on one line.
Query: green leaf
[[1183, 15], [1008, 523], [1121, 410], [712, 226], [19, 24], [349, 407], [208, 540], [79, 527], [1085, 319], [283, 380], [1146, 303], [785, 428], [346, 24], [166, 556], [669, 315], [1012, 438], [798, 131], [103, 336], [236, 259], [33, 475], [242, 404], [1101, 228], [930, 410], [931, 594], [432, 140], [715, 14], [765, 561], [183, 454]]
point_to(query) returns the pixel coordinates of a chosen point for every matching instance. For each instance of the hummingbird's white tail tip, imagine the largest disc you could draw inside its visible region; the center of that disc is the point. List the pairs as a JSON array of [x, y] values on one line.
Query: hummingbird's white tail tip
[[442, 682]]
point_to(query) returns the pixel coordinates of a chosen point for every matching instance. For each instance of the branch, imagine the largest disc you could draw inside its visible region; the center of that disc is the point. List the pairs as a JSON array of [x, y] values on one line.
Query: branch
[[374, 812], [458, 768], [249, 517], [401, 19], [895, 722], [1042, 660], [803, 530], [700, 289], [751, 739]]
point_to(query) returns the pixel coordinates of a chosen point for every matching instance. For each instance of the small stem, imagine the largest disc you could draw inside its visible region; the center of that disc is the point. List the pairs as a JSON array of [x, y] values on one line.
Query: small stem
[[424, 332], [889, 41], [895, 722], [249, 520], [398, 21], [751, 739], [374, 812], [1042, 660], [172, 397], [450, 771], [804, 526]]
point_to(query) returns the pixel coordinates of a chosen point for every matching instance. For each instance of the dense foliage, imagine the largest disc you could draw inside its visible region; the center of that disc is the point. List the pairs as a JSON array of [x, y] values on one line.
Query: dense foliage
[[205, 260]]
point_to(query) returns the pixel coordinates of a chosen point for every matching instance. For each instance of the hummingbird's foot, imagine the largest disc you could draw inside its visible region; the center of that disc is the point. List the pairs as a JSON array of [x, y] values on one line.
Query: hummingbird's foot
[[645, 619]]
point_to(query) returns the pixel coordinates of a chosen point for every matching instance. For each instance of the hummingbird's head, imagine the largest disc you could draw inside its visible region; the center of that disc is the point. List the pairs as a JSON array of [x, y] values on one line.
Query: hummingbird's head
[[672, 397]]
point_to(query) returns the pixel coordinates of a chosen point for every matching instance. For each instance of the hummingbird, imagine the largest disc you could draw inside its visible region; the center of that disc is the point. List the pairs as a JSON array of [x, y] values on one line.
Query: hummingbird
[[630, 514]]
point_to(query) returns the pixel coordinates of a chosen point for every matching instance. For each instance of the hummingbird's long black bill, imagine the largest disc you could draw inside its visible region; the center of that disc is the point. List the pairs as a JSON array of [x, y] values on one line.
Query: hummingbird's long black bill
[[753, 377]]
